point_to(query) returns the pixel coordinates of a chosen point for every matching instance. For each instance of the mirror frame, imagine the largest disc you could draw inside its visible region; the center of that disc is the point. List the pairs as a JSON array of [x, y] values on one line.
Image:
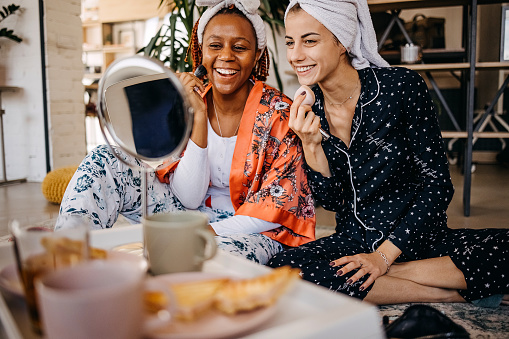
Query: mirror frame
[[139, 62]]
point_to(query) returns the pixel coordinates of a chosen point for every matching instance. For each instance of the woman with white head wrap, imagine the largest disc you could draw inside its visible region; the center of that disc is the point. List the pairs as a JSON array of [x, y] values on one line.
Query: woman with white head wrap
[[375, 156], [242, 166]]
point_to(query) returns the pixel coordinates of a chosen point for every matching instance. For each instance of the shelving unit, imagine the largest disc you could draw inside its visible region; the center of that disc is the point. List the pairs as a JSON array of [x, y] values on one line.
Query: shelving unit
[[468, 68], [103, 40], [100, 49], [111, 29]]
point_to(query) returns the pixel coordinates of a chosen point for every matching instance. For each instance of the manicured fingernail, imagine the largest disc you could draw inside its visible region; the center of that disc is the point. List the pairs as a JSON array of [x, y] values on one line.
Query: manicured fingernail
[[332, 263], [349, 282], [339, 273], [361, 288], [303, 93]]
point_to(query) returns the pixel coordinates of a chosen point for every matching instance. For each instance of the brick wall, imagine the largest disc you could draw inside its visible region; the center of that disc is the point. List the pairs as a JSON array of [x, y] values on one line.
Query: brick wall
[[20, 66], [64, 69]]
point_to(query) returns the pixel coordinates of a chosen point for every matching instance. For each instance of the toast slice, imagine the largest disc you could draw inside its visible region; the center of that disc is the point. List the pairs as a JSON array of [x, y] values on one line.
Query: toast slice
[[194, 298], [249, 294], [68, 250], [154, 301]]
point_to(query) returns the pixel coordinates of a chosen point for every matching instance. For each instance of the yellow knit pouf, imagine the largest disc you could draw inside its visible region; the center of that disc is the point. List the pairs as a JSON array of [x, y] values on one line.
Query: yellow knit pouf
[[55, 183]]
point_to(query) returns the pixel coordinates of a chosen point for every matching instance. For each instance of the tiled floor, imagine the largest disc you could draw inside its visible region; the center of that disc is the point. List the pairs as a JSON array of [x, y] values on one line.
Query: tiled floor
[[489, 201]]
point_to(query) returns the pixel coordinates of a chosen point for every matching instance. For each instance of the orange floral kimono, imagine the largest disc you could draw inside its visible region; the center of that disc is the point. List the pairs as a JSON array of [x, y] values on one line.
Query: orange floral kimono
[[267, 177]]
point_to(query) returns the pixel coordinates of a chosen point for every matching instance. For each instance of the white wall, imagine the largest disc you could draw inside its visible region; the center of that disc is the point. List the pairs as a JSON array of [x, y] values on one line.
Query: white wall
[[20, 65], [24, 119]]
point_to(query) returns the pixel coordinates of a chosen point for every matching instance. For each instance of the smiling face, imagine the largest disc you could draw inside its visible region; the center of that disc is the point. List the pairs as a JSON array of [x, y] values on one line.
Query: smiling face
[[311, 49], [229, 52]]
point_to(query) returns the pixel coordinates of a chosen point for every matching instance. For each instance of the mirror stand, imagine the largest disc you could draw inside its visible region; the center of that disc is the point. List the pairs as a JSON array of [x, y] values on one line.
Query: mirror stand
[[144, 112]]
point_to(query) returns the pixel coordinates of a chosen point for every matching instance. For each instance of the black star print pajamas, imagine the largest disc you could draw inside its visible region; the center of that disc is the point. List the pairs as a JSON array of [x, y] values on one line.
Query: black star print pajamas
[[393, 182]]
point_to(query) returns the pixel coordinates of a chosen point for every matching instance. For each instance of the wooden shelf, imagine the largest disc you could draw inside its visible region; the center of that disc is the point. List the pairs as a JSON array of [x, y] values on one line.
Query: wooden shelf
[[484, 135], [93, 49], [437, 67], [130, 10], [382, 6], [93, 86], [93, 76], [90, 23], [492, 65], [118, 49]]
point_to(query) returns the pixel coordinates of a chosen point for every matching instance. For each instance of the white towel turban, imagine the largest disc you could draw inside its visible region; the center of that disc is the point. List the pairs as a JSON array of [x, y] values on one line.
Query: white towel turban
[[350, 22], [248, 7]]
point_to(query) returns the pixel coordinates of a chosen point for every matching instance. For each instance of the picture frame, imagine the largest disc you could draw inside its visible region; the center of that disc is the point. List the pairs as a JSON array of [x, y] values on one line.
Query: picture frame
[[126, 38], [504, 36]]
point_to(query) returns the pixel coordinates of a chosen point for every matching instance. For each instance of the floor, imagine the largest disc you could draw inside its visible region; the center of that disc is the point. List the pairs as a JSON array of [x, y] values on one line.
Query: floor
[[489, 202]]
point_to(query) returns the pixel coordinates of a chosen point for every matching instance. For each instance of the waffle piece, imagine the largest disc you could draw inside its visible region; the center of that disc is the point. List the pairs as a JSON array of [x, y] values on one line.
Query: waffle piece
[[195, 298], [248, 294]]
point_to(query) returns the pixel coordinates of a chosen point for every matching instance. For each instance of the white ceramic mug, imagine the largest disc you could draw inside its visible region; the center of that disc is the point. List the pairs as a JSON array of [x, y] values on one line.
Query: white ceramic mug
[[98, 299], [177, 242]]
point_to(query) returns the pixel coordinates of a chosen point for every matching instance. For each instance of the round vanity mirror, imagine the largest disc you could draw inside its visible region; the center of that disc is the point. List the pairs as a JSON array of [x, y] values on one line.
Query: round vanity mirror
[[143, 109]]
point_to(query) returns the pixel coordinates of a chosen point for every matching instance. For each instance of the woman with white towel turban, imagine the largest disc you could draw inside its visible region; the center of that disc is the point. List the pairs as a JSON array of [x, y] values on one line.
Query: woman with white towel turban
[[243, 165], [379, 163]]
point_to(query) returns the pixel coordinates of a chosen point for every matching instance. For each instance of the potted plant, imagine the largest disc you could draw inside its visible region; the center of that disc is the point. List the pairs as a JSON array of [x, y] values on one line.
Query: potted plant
[[171, 41], [4, 13]]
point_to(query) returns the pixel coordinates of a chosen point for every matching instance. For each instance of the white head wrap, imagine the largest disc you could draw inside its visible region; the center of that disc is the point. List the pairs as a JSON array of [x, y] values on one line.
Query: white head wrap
[[248, 7], [350, 22]]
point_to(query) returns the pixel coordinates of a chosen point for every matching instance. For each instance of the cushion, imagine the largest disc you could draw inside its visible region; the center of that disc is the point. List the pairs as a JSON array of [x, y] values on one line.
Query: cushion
[[55, 183]]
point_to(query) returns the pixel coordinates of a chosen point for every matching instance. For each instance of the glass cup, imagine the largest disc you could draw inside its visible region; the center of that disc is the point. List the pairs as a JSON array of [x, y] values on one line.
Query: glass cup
[[39, 250]]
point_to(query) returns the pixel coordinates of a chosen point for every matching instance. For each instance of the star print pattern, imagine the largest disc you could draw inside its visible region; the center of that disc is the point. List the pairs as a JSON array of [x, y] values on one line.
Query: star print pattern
[[482, 256], [389, 158], [392, 182]]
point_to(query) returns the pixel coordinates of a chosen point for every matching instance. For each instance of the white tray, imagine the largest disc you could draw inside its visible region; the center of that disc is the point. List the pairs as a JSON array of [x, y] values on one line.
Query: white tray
[[307, 311]]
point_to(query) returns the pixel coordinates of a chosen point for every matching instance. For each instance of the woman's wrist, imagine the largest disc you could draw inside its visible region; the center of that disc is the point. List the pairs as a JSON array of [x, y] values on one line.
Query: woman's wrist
[[384, 257], [388, 252]]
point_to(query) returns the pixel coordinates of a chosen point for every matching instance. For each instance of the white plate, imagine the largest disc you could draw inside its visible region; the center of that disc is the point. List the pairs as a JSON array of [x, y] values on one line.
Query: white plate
[[214, 324], [11, 282], [135, 248], [130, 257]]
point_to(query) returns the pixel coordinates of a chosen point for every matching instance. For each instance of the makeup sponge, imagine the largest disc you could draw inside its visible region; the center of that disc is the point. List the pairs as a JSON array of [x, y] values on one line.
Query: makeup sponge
[[310, 96]]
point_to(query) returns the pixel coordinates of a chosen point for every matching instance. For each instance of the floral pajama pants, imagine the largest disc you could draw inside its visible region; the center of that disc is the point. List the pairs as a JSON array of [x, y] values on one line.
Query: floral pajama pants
[[104, 187]]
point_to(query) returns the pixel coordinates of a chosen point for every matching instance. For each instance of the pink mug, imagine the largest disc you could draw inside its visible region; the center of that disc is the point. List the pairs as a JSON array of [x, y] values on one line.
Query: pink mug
[[99, 299]]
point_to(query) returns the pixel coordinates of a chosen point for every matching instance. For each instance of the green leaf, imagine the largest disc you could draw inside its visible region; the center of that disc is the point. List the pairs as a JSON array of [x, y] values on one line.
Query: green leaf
[[4, 32]]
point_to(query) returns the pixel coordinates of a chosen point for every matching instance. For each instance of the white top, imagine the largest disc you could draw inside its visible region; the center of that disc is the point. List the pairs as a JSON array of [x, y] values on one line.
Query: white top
[[200, 167]]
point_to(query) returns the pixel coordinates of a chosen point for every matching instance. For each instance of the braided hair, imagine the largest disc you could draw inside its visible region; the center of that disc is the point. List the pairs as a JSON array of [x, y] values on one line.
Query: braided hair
[[261, 69]]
